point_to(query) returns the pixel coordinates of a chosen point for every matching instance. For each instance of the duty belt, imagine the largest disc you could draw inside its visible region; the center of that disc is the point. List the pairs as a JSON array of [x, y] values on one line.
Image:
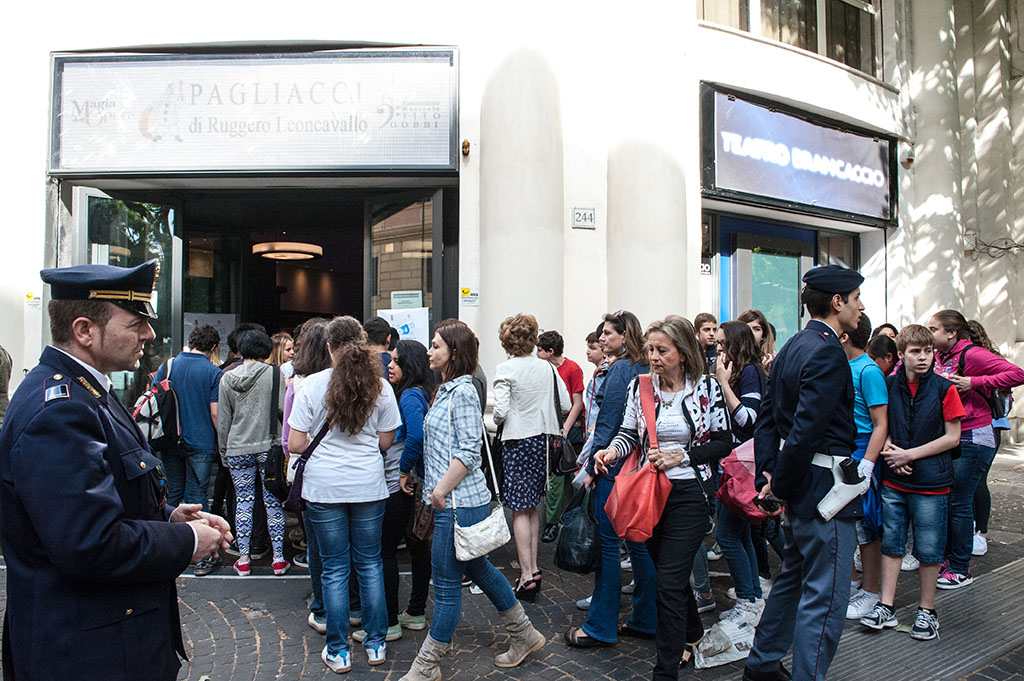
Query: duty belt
[[825, 460]]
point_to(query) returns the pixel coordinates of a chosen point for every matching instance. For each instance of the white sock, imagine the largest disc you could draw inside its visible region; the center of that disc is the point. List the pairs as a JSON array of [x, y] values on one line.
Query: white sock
[[873, 595]]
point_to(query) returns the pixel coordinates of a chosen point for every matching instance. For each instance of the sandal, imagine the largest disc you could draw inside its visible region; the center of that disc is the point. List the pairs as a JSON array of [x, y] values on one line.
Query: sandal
[[575, 638], [527, 591]]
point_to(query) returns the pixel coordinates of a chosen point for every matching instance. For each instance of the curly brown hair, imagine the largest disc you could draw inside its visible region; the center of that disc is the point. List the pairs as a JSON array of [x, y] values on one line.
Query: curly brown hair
[[355, 382], [518, 334]]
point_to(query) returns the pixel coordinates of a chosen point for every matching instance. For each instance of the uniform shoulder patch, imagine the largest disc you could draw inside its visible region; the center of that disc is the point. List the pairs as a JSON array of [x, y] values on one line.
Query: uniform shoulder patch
[[57, 392]]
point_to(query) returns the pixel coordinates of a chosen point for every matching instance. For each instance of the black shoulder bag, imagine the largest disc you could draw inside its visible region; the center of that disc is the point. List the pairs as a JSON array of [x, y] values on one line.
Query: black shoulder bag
[[275, 478], [563, 456]]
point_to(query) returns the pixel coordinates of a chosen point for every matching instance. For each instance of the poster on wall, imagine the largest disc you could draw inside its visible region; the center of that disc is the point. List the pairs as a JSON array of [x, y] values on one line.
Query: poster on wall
[[412, 324]]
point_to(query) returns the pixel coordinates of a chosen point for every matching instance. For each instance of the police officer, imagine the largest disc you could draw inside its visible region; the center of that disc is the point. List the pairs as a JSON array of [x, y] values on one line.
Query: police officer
[[92, 550], [806, 419]]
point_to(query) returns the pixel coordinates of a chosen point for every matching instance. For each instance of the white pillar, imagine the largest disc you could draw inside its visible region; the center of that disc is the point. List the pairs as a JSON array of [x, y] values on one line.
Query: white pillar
[[520, 199]]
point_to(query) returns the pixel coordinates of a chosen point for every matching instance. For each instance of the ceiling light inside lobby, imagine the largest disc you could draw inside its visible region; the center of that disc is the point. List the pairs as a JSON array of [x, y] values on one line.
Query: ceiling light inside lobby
[[287, 250]]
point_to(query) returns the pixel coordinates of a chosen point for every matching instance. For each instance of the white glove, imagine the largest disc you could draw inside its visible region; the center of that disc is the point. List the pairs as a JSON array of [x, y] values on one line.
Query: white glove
[[865, 468]]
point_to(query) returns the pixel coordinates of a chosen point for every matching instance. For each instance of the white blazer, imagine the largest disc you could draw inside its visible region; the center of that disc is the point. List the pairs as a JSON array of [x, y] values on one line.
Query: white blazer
[[524, 397]]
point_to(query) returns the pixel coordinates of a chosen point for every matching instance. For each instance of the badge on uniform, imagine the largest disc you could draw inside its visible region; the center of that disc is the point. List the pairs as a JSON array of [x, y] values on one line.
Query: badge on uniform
[[57, 392]]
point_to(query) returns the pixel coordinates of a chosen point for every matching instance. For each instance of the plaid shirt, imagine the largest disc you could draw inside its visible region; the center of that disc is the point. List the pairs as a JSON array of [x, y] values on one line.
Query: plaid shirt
[[454, 428]]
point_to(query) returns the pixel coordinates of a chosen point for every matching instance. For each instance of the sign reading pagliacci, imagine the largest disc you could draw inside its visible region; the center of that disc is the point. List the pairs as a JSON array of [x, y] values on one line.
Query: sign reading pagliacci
[[339, 110]]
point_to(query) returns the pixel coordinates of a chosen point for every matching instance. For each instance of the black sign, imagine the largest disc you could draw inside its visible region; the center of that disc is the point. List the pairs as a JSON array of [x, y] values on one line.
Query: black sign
[[763, 152]]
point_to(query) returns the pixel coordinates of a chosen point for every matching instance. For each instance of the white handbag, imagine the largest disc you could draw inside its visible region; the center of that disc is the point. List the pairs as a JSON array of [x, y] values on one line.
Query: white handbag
[[490, 533]]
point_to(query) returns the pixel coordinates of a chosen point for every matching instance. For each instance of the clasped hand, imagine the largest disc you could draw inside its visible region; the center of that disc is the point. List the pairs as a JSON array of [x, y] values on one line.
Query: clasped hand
[[899, 459], [212, 531], [663, 460]]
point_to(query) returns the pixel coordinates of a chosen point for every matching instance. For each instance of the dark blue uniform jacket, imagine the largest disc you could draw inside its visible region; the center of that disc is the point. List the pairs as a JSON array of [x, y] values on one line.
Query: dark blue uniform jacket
[[809, 404], [91, 558]]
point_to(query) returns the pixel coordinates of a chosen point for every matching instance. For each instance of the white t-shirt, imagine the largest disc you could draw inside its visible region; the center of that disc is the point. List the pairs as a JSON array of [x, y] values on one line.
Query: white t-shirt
[[674, 435], [343, 468]]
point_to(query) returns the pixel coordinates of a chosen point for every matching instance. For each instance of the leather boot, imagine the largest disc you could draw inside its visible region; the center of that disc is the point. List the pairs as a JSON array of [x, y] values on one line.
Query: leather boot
[[427, 665], [524, 639]]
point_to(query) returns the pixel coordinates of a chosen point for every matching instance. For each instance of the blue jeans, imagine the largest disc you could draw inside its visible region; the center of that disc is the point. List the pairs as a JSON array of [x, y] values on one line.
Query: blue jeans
[[448, 571], [926, 513], [603, 617], [968, 470], [316, 606], [349, 535], [733, 534], [188, 475], [699, 576]]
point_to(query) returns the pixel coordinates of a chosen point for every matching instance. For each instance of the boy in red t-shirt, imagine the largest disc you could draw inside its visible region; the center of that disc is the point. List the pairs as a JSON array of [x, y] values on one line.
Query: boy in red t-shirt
[[924, 429], [550, 346]]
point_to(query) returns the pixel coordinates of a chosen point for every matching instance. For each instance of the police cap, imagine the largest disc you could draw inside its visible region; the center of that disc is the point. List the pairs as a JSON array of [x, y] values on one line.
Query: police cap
[[833, 279], [128, 287]]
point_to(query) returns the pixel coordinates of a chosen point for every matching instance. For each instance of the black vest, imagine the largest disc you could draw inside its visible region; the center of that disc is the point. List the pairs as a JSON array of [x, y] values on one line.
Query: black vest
[[917, 420]]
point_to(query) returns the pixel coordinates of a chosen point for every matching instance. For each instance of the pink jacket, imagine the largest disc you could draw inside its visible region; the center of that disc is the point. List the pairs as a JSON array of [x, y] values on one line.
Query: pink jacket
[[988, 372]]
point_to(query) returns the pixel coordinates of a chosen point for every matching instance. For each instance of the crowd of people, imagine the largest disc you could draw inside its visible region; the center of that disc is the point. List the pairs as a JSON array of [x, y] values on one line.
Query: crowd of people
[[393, 445]]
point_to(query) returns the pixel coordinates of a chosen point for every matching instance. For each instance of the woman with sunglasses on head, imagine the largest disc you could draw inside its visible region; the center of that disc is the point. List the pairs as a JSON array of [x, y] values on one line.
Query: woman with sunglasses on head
[[453, 433], [692, 424], [623, 341], [742, 380]]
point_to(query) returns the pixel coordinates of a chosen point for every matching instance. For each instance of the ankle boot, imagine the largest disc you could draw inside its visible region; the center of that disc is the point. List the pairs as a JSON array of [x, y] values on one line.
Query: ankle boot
[[427, 665], [524, 639]]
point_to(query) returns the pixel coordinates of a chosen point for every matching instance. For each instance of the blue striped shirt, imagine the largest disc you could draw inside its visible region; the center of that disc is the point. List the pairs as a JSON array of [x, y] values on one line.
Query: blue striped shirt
[[453, 428]]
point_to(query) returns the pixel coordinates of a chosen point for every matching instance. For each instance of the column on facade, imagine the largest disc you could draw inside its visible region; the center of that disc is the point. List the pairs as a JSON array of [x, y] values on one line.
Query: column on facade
[[520, 199], [934, 249]]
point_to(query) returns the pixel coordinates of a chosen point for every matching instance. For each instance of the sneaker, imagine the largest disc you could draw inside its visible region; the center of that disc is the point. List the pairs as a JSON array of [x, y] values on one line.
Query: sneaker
[[857, 564], [300, 544], [466, 581], [206, 566], [232, 549], [339, 664], [626, 563], [584, 603], [401, 546], [355, 618], [926, 626], [909, 563], [744, 612], [980, 545], [861, 603], [394, 633], [715, 552], [280, 566], [880, 617], [954, 580], [242, 569], [413, 622], [317, 624], [704, 603], [301, 560], [377, 654], [474, 590], [628, 589]]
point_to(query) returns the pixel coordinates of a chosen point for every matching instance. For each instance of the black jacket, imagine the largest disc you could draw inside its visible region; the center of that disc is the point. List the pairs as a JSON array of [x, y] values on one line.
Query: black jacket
[[917, 420]]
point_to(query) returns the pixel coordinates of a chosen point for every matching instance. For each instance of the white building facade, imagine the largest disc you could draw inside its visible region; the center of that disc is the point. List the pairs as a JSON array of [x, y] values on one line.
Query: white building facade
[[552, 158]]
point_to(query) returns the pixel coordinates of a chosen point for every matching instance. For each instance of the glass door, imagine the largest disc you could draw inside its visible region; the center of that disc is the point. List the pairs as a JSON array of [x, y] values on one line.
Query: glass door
[[127, 233], [768, 272]]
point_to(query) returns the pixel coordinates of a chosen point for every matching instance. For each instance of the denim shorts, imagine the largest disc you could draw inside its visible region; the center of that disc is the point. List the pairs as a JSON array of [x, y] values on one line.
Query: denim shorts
[[926, 513], [865, 535]]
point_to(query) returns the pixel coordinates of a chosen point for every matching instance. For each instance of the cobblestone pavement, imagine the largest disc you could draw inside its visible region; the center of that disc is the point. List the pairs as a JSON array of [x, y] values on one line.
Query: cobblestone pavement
[[254, 629]]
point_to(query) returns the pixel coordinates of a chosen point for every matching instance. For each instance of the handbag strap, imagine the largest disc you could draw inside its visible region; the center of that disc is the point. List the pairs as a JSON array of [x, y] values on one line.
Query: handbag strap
[[316, 441], [649, 409], [274, 393], [558, 400]]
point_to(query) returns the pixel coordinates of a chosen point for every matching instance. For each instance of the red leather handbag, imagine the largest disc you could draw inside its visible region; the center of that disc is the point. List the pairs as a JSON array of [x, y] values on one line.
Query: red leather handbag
[[638, 496]]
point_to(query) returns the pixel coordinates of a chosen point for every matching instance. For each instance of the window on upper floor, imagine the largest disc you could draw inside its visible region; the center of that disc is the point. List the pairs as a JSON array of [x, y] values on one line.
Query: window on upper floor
[[848, 31]]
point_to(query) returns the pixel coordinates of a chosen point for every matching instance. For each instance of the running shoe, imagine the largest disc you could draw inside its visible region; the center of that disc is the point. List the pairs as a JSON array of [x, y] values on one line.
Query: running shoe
[[584, 603], [377, 654], [980, 547], [910, 563], [301, 560], [881, 617], [413, 622], [242, 569], [861, 603], [705, 603], [393, 634], [628, 589], [954, 580], [317, 624], [715, 552], [280, 566], [339, 664], [926, 626], [744, 611]]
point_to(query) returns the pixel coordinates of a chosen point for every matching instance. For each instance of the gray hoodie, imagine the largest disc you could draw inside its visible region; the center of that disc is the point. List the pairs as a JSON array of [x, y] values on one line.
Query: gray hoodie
[[243, 421]]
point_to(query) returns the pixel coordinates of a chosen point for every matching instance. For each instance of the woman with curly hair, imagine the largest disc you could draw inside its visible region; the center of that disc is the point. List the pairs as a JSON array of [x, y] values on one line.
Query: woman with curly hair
[[344, 485], [764, 334], [524, 410]]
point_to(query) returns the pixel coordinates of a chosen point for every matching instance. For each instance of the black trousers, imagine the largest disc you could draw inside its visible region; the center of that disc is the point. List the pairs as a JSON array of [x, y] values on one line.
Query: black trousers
[[396, 520], [673, 547]]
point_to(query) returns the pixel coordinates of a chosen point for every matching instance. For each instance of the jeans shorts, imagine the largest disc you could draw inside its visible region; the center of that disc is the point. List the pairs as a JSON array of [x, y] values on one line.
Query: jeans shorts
[[865, 535], [927, 513]]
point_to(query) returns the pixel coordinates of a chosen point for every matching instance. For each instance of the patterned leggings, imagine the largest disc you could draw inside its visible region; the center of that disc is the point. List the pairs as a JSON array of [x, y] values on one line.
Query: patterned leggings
[[244, 469]]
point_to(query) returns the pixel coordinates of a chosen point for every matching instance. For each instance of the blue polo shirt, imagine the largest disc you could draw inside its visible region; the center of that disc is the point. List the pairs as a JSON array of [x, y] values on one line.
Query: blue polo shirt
[[869, 391], [196, 381]]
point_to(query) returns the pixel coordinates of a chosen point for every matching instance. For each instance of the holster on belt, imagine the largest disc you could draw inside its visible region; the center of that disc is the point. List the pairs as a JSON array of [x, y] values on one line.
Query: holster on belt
[[848, 483]]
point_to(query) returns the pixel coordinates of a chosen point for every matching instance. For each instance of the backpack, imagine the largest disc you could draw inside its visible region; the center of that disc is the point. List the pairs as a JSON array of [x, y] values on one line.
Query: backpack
[[157, 414], [996, 403]]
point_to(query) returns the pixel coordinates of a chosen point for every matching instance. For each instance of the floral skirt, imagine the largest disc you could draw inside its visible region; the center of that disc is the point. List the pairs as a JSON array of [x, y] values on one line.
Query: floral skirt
[[525, 469]]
